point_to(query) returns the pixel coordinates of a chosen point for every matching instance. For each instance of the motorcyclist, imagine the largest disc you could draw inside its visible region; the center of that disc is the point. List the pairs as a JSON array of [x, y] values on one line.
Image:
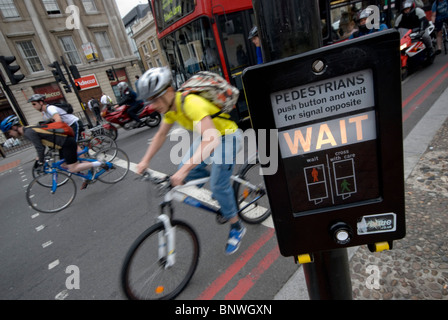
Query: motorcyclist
[[253, 36], [412, 17], [129, 97], [361, 22]]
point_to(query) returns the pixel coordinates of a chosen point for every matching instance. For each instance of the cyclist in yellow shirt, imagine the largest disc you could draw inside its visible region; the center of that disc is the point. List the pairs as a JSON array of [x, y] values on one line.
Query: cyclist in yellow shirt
[[219, 142]]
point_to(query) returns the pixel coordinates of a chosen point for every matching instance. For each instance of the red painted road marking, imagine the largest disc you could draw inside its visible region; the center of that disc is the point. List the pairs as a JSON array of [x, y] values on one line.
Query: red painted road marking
[[9, 166], [245, 284], [224, 278], [423, 86], [424, 97]]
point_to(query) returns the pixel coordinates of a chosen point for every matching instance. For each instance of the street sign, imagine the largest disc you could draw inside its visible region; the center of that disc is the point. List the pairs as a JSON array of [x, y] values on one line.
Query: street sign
[[337, 111]]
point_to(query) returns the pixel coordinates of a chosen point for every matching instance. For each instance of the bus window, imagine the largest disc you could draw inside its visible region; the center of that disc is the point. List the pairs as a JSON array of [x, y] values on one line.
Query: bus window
[[235, 41], [170, 11], [191, 49], [239, 51], [343, 15]]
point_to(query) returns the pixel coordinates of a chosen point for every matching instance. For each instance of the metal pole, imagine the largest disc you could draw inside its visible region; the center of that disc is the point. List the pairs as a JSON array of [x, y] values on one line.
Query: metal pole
[[328, 276], [75, 90], [12, 100], [287, 28]]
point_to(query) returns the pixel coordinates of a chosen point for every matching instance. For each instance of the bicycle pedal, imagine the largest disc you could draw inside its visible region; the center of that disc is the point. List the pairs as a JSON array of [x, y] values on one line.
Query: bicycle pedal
[[85, 184], [220, 219]]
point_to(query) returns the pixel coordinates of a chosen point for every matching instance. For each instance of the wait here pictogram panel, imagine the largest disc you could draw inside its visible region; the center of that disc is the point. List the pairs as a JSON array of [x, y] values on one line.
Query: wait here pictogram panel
[[328, 129]]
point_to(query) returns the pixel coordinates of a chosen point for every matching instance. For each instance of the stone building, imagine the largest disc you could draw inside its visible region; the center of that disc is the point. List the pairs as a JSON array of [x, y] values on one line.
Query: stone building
[[145, 37], [88, 34]]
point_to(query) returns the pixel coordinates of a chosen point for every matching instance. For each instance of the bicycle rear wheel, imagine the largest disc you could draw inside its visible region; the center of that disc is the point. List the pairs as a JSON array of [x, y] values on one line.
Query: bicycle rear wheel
[[119, 162], [51, 157], [144, 276], [42, 198], [259, 210]]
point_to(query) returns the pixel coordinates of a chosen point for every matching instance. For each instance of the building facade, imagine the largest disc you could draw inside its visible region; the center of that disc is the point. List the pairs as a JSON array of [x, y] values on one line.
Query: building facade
[[130, 19], [88, 34], [145, 37]]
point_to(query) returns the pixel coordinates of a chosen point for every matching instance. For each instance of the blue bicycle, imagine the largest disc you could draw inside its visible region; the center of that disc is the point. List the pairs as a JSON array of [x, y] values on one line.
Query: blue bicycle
[[54, 189]]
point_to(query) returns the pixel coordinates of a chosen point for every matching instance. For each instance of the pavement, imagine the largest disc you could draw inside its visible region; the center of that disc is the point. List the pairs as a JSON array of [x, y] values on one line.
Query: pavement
[[417, 266]]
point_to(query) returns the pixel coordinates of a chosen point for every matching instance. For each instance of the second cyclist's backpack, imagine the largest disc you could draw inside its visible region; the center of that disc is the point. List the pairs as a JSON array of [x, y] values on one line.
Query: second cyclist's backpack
[[212, 87], [67, 107]]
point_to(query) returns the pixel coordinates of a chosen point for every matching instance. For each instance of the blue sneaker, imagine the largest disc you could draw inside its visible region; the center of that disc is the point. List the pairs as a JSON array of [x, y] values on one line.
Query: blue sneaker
[[234, 241]]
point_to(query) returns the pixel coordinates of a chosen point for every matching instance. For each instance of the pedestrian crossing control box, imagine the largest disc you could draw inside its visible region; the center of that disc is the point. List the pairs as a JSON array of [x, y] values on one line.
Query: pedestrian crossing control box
[[336, 115]]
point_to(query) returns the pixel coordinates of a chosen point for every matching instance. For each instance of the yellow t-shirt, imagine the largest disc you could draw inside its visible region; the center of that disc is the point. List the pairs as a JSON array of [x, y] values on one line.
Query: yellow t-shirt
[[195, 109]]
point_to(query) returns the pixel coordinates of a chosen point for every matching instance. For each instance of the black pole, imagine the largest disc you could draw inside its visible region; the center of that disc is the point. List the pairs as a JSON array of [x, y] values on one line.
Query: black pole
[[328, 276], [287, 28], [75, 90], [13, 101]]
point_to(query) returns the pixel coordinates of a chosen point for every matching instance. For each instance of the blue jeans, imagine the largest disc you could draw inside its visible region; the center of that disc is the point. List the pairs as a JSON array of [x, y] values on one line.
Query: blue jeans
[[222, 163]]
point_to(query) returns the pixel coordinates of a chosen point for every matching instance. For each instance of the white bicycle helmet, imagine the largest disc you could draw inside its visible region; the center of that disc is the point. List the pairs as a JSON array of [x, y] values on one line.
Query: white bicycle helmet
[[154, 82], [37, 97], [122, 87]]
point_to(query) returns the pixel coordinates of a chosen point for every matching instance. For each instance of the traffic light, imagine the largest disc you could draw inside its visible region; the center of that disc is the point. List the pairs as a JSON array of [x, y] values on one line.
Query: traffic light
[[67, 87], [57, 72], [59, 76], [78, 86], [11, 70], [110, 74], [75, 72]]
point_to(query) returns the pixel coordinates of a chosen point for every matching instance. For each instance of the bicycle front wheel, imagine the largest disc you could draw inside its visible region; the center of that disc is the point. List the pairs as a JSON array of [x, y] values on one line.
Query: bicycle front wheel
[[145, 275], [43, 198], [99, 142], [254, 200], [119, 162]]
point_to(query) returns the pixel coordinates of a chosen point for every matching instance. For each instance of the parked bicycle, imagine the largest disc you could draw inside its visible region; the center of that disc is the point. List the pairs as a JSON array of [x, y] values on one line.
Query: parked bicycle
[[54, 189], [162, 260]]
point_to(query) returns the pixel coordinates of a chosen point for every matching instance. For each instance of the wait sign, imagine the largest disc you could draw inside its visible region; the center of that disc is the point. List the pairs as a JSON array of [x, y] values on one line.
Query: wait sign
[[337, 114]]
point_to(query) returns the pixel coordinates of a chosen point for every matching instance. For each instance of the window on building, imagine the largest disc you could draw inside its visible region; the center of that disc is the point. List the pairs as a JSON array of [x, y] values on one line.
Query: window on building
[[70, 50], [104, 43], [51, 6], [89, 6], [8, 9], [153, 45], [29, 54]]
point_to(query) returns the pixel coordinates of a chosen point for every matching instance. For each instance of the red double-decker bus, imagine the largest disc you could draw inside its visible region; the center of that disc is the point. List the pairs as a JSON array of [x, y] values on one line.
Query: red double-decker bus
[[207, 35], [213, 34]]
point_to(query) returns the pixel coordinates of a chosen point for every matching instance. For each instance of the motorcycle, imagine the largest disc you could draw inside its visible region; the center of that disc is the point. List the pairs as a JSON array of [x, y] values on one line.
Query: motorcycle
[[148, 117], [413, 51]]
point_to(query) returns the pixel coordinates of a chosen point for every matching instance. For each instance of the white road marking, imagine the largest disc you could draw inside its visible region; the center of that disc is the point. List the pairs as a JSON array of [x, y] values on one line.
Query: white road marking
[[54, 264]]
